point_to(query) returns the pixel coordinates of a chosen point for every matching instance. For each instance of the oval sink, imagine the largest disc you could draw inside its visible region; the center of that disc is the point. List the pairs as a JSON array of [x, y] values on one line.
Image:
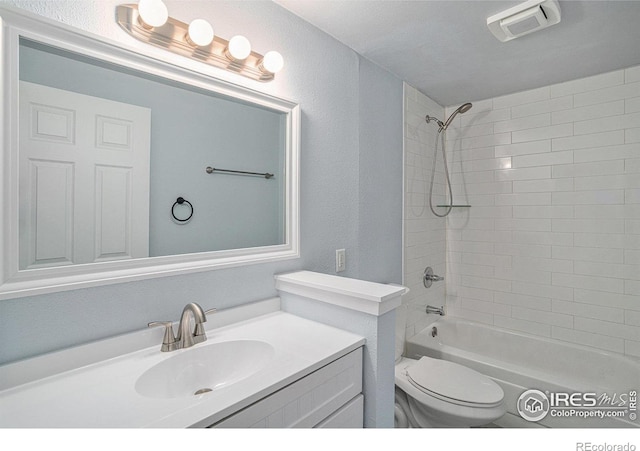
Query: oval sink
[[204, 368]]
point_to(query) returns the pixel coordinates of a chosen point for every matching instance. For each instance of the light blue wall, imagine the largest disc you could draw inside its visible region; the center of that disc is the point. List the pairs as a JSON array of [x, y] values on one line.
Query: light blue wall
[[351, 180]]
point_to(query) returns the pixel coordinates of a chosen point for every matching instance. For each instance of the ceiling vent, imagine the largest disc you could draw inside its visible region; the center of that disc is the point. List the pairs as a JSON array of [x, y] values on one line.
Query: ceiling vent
[[530, 16]]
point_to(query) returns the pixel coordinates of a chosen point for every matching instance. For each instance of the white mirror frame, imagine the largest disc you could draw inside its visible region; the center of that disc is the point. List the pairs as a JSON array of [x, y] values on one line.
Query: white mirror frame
[[15, 283]]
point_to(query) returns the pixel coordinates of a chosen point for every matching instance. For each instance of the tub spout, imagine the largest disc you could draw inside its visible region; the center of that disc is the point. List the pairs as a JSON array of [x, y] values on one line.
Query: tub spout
[[437, 310]]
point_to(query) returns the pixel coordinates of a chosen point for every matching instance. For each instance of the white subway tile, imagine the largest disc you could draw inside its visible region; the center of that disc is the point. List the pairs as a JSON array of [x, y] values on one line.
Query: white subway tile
[[457, 133], [478, 115], [559, 211], [607, 153], [542, 238], [481, 165], [589, 282], [632, 226], [535, 134], [474, 248], [523, 250], [554, 319], [607, 328], [587, 141], [523, 199], [632, 287], [499, 261], [484, 141], [588, 84], [547, 291], [545, 106], [475, 293], [632, 257], [625, 91], [632, 74], [523, 300], [604, 240], [491, 212], [524, 123], [472, 315], [541, 159], [485, 307], [622, 301], [588, 169], [632, 348], [542, 186], [631, 135], [613, 270], [590, 254], [524, 148], [632, 196], [542, 264], [607, 211], [632, 318], [486, 283], [605, 182], [519, 98], [529, 173], [588, 197], [631, 120], [533, 224], [540, 329], [632, 105], [588, 339], [471, 270], [485, 188], [588, 225], [584, 113], [589, 311]]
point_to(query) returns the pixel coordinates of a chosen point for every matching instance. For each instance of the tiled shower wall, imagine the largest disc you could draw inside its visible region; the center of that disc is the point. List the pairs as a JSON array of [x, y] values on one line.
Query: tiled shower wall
[[424, 234], [551, 243]]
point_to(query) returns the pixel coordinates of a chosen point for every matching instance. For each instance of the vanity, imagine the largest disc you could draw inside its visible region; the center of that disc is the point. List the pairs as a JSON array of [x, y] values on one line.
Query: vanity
[[259, 367]]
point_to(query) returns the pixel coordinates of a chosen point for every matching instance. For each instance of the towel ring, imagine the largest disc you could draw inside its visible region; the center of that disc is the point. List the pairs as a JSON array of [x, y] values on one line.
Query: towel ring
[[180, 201]]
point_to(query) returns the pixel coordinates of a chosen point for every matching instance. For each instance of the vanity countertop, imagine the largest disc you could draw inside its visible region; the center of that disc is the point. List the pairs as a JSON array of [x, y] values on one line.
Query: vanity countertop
[[103, 394]]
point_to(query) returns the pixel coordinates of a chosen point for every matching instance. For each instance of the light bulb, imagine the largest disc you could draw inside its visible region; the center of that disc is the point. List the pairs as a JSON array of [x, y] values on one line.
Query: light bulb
[[200, 33], [272, 62], [153, 13], [239, 48]]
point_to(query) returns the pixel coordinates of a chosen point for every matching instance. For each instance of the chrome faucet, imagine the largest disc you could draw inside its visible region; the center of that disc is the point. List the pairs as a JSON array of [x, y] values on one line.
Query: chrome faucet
[[185, 337], [438, 310]]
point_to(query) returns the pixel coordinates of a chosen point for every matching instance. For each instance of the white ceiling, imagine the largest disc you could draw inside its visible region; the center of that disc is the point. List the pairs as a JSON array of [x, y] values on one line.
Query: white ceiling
[[444, 48]]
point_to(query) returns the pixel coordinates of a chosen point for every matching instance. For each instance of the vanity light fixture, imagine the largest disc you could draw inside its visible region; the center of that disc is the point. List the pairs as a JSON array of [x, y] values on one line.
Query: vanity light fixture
[[149, 22]]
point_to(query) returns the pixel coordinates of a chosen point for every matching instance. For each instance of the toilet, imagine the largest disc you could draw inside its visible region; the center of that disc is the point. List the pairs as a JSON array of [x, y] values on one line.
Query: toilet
[[437, 393]]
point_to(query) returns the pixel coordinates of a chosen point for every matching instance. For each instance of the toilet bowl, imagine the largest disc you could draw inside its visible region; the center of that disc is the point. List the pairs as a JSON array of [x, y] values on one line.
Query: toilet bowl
[[437, 393]]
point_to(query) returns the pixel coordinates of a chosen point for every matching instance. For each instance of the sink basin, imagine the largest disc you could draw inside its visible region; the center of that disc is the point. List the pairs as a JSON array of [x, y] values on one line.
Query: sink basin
[[204, 368]]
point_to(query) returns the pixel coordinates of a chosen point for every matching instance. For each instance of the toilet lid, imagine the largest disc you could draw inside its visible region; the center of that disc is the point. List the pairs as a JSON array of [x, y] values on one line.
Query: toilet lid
[[454, 382]]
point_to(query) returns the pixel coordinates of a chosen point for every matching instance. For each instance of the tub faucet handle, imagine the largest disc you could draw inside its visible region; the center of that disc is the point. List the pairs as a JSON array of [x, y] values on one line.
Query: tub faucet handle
[[429, 277]]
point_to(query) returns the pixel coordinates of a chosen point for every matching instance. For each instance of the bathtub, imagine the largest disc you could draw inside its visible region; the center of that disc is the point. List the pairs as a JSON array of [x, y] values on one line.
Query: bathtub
[[519, 362]]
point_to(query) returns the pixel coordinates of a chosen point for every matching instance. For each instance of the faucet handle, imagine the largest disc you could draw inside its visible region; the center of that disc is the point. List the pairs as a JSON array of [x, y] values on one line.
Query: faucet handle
[[169, 342]]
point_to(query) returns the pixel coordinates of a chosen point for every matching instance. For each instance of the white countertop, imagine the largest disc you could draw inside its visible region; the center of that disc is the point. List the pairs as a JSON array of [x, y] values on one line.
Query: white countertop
[[103, 394]]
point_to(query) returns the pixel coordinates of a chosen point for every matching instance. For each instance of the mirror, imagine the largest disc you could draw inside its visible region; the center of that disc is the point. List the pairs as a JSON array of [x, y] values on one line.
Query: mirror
[[122, 167]]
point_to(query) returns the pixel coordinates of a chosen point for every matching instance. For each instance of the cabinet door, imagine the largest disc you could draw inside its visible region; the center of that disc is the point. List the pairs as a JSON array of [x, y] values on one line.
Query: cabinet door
[[349, 416], [306, 402]]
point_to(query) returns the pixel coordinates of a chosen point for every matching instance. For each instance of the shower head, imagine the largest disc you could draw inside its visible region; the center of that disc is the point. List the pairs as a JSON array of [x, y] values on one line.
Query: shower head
[[461, 109]]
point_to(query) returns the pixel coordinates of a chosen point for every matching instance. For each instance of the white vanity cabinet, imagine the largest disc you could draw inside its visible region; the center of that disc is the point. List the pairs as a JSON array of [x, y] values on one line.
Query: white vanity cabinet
[[329, 397]]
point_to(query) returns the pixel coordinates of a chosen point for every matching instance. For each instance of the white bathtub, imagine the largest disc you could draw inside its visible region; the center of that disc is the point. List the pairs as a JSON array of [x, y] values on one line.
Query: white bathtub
[[519, 362]]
